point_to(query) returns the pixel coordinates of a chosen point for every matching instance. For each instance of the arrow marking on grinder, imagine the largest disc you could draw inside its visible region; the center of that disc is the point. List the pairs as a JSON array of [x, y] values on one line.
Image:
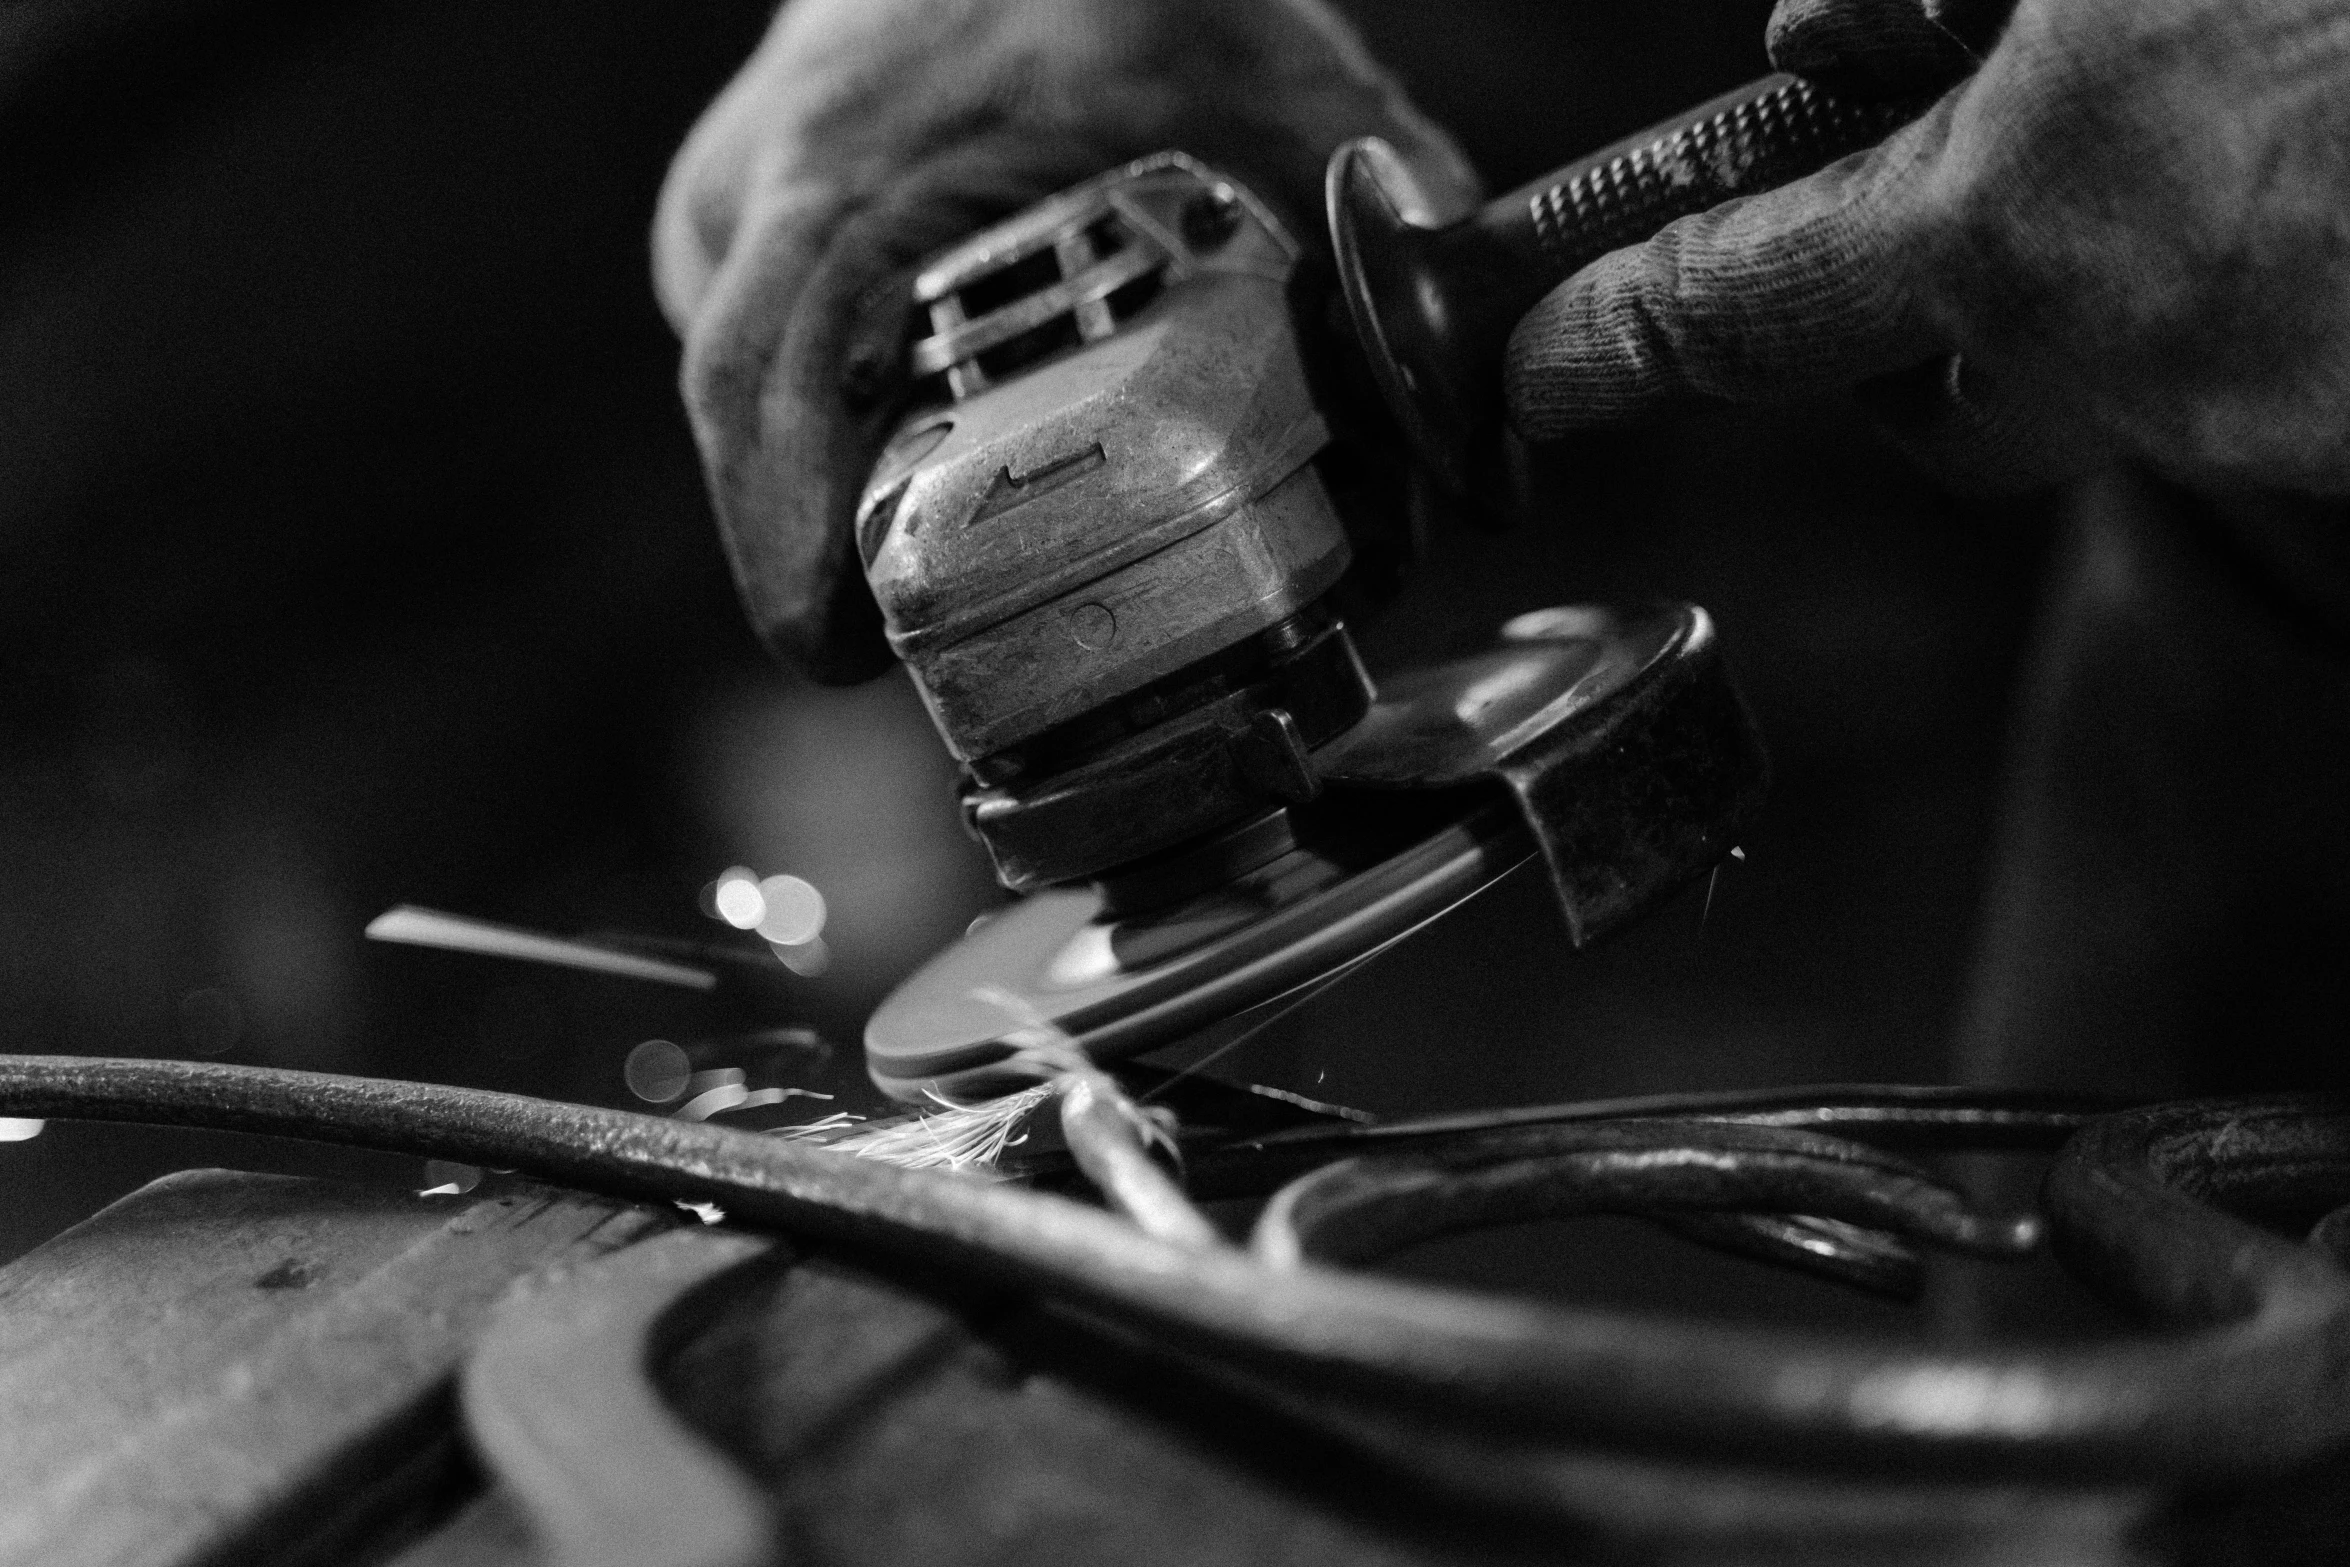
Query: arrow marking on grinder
[[1010, 489]]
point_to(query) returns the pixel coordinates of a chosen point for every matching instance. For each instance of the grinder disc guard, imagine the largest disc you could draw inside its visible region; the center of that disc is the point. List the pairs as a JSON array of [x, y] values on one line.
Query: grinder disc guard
[[1610, 744]]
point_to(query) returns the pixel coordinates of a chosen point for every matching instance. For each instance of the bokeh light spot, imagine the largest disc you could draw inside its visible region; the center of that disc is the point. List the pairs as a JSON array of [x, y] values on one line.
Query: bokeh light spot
[[738, 900], [794, 911], [657, 1071]]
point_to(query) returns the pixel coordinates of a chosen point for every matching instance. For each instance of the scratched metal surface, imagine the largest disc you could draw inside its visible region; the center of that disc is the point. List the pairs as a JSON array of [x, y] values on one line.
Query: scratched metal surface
[[228, 1366]]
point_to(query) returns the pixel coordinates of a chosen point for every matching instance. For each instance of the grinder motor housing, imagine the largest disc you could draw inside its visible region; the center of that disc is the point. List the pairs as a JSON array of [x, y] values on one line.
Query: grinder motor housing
[[1100, 543]]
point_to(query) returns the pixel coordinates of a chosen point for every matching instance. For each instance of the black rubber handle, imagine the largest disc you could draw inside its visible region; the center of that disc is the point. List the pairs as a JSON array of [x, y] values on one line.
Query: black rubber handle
[[1434, 306], [1757, 138]]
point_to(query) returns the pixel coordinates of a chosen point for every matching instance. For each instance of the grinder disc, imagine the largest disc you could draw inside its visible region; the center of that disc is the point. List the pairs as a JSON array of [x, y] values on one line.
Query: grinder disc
[[1362, 872]]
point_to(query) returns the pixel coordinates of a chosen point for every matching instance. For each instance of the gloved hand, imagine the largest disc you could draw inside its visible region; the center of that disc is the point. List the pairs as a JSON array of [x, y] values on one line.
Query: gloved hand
[[2130, 226], [866, 135]]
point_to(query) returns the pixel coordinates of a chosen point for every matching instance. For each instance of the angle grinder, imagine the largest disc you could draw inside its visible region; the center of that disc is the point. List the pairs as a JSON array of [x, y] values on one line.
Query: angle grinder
[[1112, 541]]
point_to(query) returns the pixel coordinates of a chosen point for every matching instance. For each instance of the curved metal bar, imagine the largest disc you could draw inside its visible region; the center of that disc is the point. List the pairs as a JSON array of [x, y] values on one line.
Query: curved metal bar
[[2265, 1355], [1884, 1115], [2260, 1389], [1849, 1254], [1107, 1136], [1363, 1208]]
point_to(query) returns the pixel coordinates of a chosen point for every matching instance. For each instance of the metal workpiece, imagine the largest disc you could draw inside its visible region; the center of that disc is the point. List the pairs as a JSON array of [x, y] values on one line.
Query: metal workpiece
[[1361, 1209], [1111, 477], [1898, 1117], [2249, 1375]]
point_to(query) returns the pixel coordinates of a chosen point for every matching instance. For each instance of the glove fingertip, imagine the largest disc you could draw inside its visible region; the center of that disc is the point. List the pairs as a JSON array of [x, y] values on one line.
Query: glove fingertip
[[1538, 371], [1587, 355]]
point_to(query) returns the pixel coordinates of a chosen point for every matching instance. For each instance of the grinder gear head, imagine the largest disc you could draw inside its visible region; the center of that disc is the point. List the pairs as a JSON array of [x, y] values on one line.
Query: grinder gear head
[[1100, 543]]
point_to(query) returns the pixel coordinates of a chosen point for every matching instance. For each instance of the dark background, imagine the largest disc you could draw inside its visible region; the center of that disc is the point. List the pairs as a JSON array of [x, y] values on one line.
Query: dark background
[[352, 552]]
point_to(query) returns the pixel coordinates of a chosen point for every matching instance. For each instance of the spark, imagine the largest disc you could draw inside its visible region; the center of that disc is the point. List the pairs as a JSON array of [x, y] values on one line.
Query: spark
[[419, 927], [737, 898], [447, 1178]]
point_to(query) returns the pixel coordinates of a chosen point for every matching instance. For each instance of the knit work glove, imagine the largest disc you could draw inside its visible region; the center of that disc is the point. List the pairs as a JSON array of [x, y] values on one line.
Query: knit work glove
[[2126, 233], [865, 135]]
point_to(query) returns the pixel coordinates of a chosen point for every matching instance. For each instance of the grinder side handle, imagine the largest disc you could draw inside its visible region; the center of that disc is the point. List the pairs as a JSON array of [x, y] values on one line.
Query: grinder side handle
[[1434, 305]]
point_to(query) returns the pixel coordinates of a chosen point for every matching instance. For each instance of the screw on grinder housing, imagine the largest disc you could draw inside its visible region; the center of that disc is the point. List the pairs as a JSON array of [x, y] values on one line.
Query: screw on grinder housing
[[1099, 542]]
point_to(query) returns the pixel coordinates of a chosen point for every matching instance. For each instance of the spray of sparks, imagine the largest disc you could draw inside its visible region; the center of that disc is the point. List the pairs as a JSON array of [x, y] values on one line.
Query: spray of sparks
[[973, 1137]]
